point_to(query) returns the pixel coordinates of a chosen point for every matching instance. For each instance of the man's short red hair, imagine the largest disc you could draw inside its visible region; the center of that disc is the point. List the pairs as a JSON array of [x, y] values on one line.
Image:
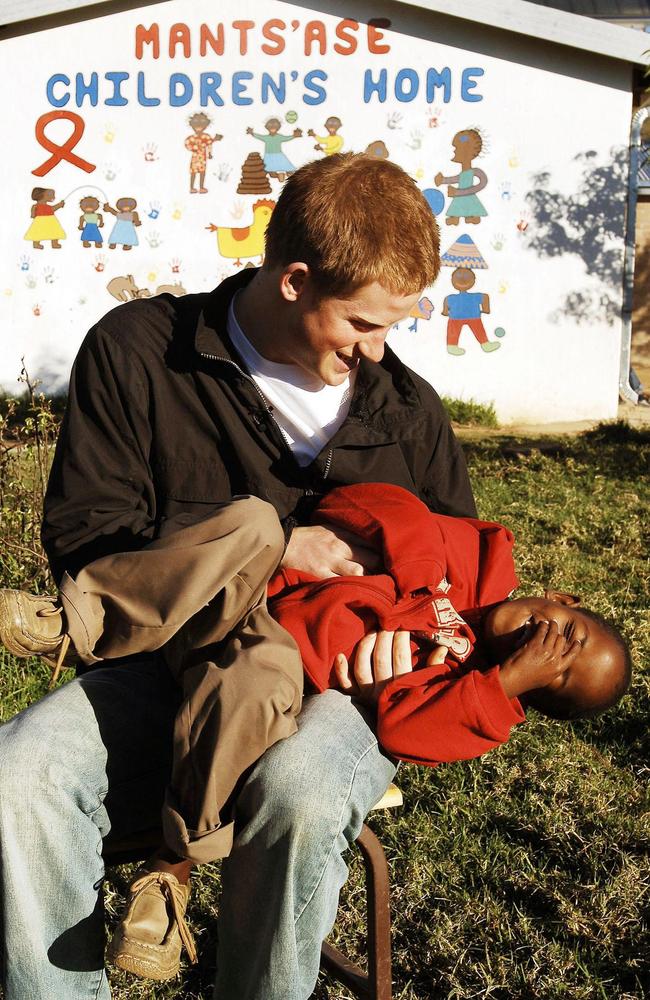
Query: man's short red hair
[[354, 219]]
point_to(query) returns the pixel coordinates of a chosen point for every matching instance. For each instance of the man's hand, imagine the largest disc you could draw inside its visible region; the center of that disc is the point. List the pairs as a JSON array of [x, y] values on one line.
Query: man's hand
[[541, 660], [378, 657], [324, 553]]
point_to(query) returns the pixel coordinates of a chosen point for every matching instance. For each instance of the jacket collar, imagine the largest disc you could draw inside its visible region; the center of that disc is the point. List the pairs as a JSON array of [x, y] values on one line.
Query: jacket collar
[[211, 338], [374, 381]]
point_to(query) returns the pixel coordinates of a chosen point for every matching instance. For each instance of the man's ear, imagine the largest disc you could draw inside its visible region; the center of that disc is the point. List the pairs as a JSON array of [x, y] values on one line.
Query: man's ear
[[294, 279], [569, 600]]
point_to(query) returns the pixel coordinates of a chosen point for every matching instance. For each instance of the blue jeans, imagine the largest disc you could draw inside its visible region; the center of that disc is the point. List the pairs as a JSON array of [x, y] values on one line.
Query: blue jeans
[[95, 756]]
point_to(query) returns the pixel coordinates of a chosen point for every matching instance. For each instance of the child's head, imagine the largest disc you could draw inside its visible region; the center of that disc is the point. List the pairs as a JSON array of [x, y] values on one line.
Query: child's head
[[354, 220], [42, 194], [467, 144], [125, 204], [89, 204], [199, 122], [463, 278], [597, 678]]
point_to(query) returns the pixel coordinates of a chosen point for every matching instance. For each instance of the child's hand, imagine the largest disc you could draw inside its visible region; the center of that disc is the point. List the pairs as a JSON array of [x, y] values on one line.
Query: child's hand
[[542, 659], [378, 657]]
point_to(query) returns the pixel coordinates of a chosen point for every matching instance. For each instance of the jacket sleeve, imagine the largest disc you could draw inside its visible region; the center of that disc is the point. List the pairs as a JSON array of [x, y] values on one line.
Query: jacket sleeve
[[443, 480], [100, 495], [436, 715]]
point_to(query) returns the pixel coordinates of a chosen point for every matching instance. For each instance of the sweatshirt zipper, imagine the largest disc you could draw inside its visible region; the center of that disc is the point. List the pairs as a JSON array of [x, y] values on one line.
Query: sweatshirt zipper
[[344, 581]]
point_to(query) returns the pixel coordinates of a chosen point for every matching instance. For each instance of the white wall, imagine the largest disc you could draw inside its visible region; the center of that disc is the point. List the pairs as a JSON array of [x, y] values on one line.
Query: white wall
[[541, 110]]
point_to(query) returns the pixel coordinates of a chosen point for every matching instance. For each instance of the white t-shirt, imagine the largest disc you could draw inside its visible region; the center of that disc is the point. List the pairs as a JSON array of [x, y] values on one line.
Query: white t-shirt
[[307, 414]]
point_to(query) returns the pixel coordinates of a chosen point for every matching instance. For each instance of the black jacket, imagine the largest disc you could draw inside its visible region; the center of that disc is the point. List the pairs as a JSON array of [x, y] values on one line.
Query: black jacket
[[162, 424]]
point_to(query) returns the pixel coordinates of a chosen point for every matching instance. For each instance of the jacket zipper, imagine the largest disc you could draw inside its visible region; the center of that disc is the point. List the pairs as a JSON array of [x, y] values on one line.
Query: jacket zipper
[[228, 361]]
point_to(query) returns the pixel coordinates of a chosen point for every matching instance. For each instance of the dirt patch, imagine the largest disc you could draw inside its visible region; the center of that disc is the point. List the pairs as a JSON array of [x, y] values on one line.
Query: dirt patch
[[636, 416]]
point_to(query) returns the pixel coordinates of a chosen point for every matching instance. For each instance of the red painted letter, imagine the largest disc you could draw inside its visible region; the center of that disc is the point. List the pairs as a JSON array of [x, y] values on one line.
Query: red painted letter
[[179, 34], [147, 36], [375, 35], [271, 30], [243, 27], [315, 32], [345, 31], [215, 42]]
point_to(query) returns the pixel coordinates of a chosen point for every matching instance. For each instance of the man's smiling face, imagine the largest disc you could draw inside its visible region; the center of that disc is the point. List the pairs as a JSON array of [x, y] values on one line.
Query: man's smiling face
[[328, 335]]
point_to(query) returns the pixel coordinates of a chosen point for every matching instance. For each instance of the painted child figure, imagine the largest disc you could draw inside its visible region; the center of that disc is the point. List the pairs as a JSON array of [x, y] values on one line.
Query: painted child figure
[[332, 142], [464, 309], [462, 190], [45, 225], [90, 222], [480, 657], [200, 146], [126, 220], [276, 163]]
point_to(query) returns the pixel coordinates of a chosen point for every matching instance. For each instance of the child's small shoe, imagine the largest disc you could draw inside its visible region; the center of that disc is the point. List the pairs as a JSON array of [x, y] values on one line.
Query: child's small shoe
[[152, 930]]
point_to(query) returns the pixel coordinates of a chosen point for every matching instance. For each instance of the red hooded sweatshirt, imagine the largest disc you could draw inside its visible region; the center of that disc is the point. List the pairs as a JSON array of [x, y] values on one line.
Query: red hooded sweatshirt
[[439, 571]]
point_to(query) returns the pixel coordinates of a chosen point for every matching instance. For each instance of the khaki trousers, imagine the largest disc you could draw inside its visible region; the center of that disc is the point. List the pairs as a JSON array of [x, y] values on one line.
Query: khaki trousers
[[200, 595]]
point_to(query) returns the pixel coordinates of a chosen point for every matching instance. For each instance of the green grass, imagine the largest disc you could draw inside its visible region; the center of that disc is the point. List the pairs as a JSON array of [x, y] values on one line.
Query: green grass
[[469, 413], [523, 875]]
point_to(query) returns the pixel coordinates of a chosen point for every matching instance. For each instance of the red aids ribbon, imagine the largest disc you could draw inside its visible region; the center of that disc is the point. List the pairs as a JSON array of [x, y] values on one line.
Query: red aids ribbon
[[63, 152]]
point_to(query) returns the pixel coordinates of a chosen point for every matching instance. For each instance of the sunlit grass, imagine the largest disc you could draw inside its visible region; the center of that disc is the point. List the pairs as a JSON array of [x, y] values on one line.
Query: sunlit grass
[[524, 875]]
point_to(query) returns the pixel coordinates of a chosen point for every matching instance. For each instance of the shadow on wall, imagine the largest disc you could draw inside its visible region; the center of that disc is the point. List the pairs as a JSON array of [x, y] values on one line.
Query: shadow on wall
[[589, 223]]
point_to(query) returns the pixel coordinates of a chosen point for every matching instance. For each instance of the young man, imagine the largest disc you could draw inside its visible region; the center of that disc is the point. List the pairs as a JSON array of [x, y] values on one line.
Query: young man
[[276, 385]]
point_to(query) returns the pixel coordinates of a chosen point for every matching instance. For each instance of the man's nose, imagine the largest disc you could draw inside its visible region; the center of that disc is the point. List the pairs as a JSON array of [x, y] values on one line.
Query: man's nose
[[372, 347]]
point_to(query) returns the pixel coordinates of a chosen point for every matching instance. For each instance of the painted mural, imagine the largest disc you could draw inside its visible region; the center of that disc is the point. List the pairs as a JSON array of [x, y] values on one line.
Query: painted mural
[[152, 165]]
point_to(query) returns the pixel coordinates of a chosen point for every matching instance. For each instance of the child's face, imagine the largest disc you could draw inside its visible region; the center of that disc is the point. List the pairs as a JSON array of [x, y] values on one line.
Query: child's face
[[594, 673]]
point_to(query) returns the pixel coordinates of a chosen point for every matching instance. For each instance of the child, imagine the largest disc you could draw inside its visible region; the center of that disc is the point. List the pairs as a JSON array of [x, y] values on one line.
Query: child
[[448, 584]]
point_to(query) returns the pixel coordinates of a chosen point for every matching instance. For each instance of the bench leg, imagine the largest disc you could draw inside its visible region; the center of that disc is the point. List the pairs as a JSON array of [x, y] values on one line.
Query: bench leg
[[377, 983]]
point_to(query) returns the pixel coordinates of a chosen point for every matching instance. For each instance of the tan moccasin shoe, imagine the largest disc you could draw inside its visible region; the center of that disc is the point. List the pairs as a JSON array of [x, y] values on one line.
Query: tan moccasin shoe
[[152, 930], [31, 625]]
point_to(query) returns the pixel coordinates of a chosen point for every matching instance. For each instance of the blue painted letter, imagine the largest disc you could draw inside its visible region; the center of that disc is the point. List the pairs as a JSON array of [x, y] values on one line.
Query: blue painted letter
[[371, 87], [117, 100], [468, 83], [239, 87], [438, 79], [146, 102], [179, 99], [319, 93], [210, 83], [57, 102], [407, 84]]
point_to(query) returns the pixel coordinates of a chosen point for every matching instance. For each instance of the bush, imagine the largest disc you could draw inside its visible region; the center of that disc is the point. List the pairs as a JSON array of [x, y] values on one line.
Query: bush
[[470, 413]]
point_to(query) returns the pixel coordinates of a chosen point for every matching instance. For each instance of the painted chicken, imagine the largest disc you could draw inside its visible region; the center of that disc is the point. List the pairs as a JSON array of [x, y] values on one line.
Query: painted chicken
[[247, 241]]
